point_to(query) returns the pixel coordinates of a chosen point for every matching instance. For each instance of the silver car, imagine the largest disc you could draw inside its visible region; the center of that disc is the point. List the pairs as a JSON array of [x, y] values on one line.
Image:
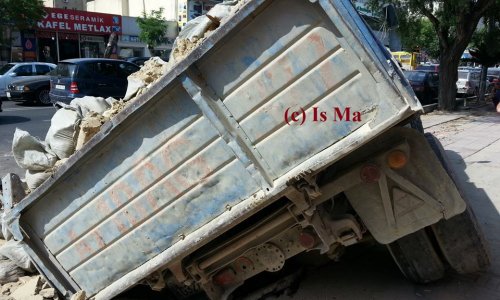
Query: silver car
[[12, 71]]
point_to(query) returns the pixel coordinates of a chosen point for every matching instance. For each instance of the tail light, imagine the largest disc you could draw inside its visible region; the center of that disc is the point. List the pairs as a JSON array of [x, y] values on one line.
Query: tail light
[[418, 88], [73, 88], [397, 159], [370, 173]]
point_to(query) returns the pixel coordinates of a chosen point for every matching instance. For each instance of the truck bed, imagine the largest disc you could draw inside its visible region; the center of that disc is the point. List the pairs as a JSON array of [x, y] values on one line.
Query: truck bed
[[213, 142]]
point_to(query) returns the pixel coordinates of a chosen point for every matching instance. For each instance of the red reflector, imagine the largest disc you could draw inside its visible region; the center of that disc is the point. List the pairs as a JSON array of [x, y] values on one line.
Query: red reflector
[[370, 173], [307, 240], [73, 88], [225, 277]]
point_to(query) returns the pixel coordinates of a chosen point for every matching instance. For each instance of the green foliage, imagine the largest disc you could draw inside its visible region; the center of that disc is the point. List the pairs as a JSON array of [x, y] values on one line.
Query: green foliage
[[153, 27], [21, 13], [485, 45], [417, 33]]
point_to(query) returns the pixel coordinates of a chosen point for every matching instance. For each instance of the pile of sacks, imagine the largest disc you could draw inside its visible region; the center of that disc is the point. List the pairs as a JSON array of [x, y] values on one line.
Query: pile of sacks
[[71, 127], [74, 125]]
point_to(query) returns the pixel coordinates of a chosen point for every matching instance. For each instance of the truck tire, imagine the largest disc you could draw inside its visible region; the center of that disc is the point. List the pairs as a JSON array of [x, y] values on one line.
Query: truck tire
[[460, 239], [416, 258]]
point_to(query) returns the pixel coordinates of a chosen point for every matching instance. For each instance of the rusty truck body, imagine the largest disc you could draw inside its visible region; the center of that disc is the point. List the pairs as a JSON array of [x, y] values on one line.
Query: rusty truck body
[[289, 129]]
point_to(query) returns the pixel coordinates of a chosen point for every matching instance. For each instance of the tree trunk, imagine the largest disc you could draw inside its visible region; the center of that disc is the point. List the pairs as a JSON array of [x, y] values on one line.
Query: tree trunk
[[448, 76], [482, 84]]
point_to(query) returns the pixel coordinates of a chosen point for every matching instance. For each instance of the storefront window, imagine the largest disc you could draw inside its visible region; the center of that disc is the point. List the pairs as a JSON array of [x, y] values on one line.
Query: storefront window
[[47, 46], [68, 45], [92, 46]]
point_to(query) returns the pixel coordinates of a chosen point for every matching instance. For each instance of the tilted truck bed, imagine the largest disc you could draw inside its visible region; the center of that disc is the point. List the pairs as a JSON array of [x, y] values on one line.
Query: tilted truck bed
[[213, 142]]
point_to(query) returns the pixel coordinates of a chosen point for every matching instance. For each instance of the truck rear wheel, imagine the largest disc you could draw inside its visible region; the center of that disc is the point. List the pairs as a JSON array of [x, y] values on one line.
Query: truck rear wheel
[[416, 257], [459, 238]]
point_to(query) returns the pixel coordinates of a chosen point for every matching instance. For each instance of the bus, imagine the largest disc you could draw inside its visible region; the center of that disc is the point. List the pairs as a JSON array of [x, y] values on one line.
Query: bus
[[408, 60]]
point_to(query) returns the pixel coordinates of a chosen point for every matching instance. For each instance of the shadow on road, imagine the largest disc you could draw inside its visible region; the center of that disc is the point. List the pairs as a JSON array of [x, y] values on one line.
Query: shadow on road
[[4, 120]]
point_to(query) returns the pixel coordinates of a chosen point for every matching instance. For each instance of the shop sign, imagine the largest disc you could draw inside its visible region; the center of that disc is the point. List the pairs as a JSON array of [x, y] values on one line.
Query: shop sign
[[28, 41], [57, 19]]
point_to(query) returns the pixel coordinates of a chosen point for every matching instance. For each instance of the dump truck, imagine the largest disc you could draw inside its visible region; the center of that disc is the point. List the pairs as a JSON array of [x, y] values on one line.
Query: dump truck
[[289, 129]]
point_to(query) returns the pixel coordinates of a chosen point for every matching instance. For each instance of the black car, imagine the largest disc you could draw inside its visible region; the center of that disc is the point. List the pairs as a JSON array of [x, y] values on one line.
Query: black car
[[34, 89], [425, 84], [138, 60], [75, 78]]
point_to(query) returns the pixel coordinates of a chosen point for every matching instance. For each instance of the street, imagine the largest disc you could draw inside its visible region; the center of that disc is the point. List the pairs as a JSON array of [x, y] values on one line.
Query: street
[[367, 271], [34, 119]]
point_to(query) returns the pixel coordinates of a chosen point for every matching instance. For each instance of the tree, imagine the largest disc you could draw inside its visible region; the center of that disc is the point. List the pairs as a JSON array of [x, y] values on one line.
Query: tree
[[454, 23], [20, 13], [153, 27], [485, 46]]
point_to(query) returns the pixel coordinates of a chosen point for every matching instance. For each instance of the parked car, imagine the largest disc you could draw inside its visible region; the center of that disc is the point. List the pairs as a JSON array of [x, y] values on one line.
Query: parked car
[[468, 81], [425, 84], [428, 67], [12, 71], [33, 89], [138, 60], [74, 78]]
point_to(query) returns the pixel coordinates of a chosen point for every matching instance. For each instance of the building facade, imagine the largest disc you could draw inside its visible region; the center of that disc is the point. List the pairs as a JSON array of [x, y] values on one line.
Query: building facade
[[66, 4]]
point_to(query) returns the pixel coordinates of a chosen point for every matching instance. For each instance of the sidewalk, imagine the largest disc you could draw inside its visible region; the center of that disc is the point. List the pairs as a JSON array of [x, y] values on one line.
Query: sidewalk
[[472, 143]]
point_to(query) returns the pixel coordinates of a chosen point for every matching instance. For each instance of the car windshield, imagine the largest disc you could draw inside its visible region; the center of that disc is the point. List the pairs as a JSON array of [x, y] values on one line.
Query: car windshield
[[415, 76], [6, 68], [462, 75], [65, 70]]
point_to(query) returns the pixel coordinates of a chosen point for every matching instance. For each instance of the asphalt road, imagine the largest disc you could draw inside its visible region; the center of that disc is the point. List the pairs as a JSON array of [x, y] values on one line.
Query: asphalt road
[[31, 118]]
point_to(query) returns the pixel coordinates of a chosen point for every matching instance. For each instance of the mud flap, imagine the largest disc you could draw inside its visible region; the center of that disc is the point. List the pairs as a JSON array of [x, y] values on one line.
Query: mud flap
[[405, 200]]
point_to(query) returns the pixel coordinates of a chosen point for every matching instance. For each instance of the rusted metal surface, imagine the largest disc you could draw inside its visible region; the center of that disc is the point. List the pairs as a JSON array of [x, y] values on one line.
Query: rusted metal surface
[[195, 155]]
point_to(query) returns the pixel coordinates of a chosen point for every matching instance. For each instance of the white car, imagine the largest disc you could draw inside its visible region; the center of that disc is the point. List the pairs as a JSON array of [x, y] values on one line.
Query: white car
[[12, 71], [468, 81]]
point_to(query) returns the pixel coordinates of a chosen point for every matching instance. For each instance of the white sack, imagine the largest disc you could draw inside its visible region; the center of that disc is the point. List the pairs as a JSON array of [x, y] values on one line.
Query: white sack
[[90, 104], [110, 101], [31, 153], [133, 86], [9, 272], [63, 131], [196, 28], [14, 251], [35, 178]]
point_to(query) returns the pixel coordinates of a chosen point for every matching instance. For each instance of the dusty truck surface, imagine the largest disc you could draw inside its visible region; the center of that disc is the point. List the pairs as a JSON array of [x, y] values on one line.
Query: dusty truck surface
[[288, 129]]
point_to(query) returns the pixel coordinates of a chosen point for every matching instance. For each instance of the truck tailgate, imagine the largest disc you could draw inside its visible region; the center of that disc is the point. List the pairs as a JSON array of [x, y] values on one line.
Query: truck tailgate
[[215, 140]]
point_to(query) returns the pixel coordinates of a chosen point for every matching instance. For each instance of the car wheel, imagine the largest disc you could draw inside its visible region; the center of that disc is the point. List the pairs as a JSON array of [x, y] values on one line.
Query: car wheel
[[43, 97], [459, 238]]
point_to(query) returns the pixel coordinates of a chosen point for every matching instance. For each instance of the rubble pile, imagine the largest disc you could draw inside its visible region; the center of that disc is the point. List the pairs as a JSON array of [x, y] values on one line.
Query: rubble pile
[[17, 278], [28, 287]]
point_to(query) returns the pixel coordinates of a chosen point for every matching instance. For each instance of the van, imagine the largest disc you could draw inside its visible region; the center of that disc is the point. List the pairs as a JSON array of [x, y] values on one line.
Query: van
[[468, 82], [76, 78]]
